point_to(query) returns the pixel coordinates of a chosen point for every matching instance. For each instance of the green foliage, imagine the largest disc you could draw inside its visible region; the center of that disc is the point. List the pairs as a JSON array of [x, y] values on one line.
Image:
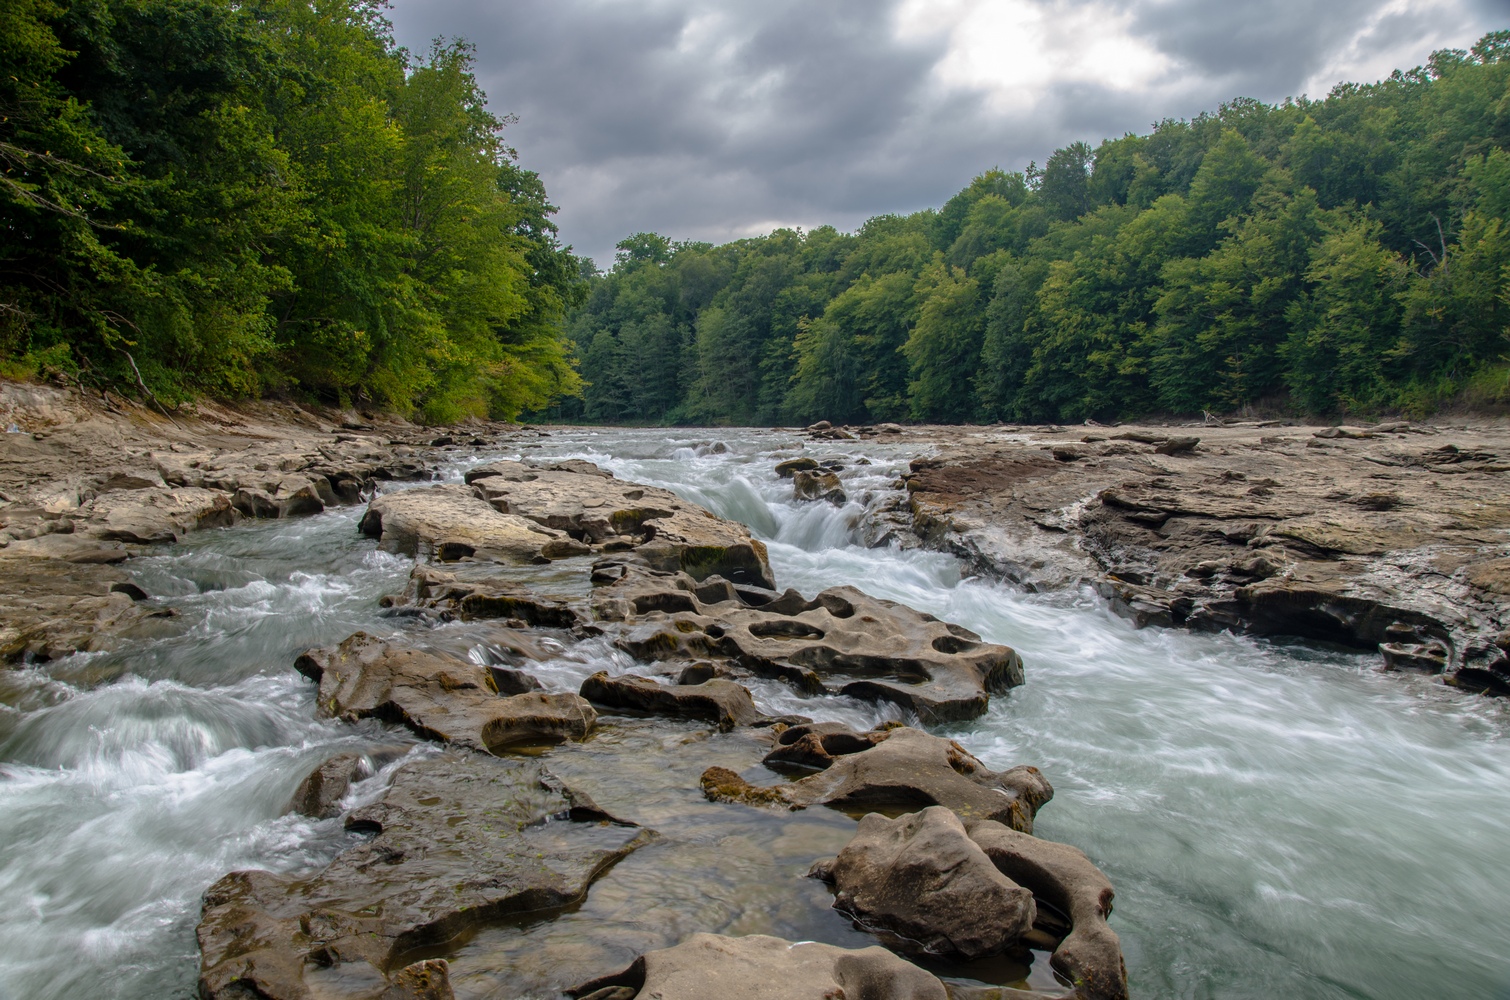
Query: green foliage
[[1344, 255], [228, 197]]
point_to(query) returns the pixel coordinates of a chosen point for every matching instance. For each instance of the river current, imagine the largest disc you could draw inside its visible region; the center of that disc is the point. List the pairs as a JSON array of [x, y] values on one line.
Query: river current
[[1278, 819]]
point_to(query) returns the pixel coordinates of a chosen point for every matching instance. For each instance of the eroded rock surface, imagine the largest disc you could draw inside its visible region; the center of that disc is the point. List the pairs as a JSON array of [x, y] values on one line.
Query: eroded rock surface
[[438, 697], [459, 841], [900, 769], [1396, 534], [455, 521], [841, 641], [758, 967], [922, 885], [606, 514], [722, 702], [1089, 955]]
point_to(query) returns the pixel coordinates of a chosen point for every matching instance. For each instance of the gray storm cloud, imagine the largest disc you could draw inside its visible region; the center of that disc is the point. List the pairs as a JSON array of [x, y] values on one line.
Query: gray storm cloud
[[718, 120]]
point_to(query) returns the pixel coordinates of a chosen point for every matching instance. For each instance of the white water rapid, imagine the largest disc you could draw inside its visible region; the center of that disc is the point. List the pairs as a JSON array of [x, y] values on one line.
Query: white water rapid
[[1280, 820]]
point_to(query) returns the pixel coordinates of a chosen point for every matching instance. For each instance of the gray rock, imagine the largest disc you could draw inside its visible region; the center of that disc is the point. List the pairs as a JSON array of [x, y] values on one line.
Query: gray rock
[[922, 885]]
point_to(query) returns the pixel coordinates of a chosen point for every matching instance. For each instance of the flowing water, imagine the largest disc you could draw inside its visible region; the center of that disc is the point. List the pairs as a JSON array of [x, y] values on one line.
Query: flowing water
[[1278, 819]]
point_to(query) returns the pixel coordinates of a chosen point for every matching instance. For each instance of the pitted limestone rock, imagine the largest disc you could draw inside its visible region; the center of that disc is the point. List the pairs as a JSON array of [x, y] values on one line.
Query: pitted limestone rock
[[461, 841], [925, 888], [1089, 955], [438, 697], [901, 769], [842, 641], [721, 702]]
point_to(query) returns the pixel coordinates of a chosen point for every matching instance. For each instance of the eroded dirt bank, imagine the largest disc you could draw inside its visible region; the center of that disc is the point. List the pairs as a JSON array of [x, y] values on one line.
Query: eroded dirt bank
[[1389, 537]]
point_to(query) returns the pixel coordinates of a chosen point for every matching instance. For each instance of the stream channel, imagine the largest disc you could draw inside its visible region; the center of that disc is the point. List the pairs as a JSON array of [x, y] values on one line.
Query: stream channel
[[1279, 819]]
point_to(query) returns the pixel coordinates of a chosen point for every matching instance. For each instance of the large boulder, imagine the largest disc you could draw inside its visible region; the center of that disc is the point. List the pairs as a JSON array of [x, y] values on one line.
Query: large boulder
[[721, 702], [594, 509], [922, 885], [1090, 955], [438, 697], [842, 641], [459, 842], [758, 967], [901, 768], [450, 519]]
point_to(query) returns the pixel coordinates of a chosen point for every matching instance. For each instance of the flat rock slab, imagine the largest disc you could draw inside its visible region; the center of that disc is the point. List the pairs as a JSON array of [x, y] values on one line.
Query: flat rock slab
[[431, 520], [460, 841], [758, 967], [438, 697], [601, 512], [721, 702], [156, 514], [843, 641], [925, 888], [901, 769]]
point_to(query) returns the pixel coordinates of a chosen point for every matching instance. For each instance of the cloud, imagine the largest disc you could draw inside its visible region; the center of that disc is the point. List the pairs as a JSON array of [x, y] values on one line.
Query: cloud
[[720, 120]]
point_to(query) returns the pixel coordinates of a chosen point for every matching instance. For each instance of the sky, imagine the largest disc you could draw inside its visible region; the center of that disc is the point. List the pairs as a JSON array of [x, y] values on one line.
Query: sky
[[719, 119]]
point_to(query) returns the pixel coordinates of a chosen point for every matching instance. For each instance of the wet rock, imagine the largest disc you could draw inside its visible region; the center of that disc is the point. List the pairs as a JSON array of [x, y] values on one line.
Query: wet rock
[[437, 697], [156, 514], [757, 967], [319, 795], [793, 466], [507, 680], [922, 885], [842, 641], [1063, 879], [903, 769], [459, 842], [721, 702], [818, 485], [420, 521], [661, 529]]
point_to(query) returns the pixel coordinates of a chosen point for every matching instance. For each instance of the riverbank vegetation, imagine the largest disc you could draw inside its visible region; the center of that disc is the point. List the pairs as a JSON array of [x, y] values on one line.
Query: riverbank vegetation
[[201, 196], [1348, 255]]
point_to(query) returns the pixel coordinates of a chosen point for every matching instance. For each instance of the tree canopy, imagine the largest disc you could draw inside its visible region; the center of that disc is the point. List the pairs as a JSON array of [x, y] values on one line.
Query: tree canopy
[[1343, 255], [238, 196]]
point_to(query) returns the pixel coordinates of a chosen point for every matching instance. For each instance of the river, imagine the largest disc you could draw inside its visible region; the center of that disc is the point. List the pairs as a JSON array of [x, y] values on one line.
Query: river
[[1279, 819]]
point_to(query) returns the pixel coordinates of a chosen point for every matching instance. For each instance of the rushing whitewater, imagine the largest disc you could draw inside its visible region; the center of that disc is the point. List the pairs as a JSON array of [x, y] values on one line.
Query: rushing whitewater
[[1279, 820]]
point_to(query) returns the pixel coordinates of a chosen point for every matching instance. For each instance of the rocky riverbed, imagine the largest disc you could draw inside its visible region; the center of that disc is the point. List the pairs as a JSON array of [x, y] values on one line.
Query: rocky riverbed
[[495, 797]]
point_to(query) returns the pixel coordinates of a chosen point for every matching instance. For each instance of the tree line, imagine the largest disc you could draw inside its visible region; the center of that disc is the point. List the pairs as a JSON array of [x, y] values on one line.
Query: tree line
[[238, 197], [1343, 255]]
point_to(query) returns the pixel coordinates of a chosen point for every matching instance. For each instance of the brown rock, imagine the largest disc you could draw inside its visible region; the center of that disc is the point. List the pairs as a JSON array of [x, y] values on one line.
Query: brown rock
[[905, 768], [757, 967], [792, 466], [721, 702], [1090, 956], [817, 484], [922, 885], [437, 697], [419, 521]]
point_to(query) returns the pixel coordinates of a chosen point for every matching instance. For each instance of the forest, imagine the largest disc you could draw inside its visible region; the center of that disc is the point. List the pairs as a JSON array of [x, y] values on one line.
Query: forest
[[1349, 255], [269, 197]]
